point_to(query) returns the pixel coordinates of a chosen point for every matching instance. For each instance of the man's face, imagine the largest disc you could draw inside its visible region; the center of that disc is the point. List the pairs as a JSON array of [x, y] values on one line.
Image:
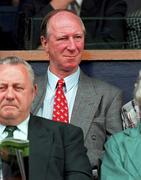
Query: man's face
[[16, 94], [65, 43]]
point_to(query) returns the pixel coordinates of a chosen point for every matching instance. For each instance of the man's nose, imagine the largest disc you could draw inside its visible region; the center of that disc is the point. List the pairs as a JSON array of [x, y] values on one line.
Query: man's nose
[[71, 44], [9, 93]]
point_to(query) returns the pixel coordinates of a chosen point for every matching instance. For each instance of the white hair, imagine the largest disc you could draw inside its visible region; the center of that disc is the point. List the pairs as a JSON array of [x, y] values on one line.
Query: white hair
[[137, 89]]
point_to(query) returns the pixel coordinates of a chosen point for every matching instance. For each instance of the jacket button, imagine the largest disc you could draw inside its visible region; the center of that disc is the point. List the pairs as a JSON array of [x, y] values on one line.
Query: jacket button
[[93, 137]]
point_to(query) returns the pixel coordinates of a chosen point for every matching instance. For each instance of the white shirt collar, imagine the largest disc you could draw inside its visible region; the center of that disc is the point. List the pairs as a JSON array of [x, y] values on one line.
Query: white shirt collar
[[23, 126], [79, 2], [70, 81]]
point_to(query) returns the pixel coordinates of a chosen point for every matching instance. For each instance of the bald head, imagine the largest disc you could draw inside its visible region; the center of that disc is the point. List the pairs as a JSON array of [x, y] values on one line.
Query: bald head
[[55, 16]]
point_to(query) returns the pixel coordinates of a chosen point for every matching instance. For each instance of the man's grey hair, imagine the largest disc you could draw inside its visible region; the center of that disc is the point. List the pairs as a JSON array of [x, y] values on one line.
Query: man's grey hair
[[14, 60], [137, 89]]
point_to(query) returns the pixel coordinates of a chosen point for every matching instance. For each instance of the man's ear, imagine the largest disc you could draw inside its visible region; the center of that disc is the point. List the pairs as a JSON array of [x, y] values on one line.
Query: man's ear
[[36, 89], [44, 42]]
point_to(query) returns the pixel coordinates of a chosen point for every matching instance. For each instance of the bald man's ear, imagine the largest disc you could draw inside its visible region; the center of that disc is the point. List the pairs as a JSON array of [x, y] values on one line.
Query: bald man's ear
[[44, 42]]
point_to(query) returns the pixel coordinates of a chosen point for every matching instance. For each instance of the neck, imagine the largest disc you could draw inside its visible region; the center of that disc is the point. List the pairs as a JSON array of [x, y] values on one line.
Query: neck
[[62, 74], [12, 121]]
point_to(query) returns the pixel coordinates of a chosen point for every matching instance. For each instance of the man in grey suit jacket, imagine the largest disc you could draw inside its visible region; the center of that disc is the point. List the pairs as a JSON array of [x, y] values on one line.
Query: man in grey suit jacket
[[56, 150], [94, 105]]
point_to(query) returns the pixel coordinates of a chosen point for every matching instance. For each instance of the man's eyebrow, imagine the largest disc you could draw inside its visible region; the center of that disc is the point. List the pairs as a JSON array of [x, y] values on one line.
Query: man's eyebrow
[[1, 82]]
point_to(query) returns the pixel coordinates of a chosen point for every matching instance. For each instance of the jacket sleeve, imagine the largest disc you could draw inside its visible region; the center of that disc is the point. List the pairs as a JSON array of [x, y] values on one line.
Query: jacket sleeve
[[113, 114], [77, 165]]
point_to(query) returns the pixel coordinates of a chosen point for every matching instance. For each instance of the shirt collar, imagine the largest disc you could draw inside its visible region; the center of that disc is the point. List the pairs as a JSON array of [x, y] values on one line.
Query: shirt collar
[[70, 81], [22, 126], [52, 80], [79, 2]]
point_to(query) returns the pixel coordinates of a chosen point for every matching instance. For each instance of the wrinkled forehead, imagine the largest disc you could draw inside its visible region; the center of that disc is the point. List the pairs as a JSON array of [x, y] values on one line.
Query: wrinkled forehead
[[13, 72]]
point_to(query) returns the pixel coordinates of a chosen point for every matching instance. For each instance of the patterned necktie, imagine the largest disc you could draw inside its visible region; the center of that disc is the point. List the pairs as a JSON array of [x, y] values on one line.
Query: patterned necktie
[[60, 110], [10, 130]]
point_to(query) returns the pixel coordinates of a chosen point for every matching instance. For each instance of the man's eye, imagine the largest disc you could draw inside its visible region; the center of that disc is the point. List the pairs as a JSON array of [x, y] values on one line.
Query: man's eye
[[78, 37], [62, 39], [2, 88], [19, 88]]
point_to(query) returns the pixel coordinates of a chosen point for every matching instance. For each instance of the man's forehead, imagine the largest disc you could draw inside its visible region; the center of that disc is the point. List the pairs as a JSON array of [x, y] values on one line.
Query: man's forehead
[[6, 82], [64, 13], [12, 68], [65, 24], [12, 72], [62, 17]]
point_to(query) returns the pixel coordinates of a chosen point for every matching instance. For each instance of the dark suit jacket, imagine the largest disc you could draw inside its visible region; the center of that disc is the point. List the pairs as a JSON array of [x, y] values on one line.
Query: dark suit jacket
[[96, 110], [56, 151], [31, 9], [107, 32], [36, 8]]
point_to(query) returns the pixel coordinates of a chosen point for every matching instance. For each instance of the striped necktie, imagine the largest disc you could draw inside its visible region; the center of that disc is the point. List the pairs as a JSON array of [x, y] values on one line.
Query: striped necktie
[[10, 130]]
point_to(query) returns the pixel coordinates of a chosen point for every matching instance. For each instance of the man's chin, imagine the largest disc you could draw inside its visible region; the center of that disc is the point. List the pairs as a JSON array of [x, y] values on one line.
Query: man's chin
[[71, 67], [9, 115]]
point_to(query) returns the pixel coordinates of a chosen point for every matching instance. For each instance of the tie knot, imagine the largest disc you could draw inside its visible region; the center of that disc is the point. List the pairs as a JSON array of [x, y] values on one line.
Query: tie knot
[[60, 83], [10, 130]]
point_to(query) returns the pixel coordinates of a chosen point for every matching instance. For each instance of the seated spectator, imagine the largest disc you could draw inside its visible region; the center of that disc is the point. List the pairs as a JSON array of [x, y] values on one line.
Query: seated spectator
[[100, 33], [56, 150], [131, 114], [106, 31], [121, 160], [93, 105], [134, 30], [38, 9]]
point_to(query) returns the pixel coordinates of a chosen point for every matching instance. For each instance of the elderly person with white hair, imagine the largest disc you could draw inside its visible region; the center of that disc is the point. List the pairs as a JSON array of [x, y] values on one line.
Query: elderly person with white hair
[[131, 113], [122, 157]]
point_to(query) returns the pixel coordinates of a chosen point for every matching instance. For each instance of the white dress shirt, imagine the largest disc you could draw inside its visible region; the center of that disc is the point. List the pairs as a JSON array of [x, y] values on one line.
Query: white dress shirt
[[20, 133], [71, 86]]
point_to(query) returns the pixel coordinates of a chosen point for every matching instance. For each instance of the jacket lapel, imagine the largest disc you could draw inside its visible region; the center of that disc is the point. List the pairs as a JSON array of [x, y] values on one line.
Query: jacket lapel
[[40, 147], [85, 105], [42, 82]]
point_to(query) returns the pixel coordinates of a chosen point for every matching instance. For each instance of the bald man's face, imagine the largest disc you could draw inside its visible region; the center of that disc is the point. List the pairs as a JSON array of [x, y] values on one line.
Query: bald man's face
[[65, 42]]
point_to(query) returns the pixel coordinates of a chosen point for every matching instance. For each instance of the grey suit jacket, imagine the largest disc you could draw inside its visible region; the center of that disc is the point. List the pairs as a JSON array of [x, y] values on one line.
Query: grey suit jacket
[[96, 110]]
